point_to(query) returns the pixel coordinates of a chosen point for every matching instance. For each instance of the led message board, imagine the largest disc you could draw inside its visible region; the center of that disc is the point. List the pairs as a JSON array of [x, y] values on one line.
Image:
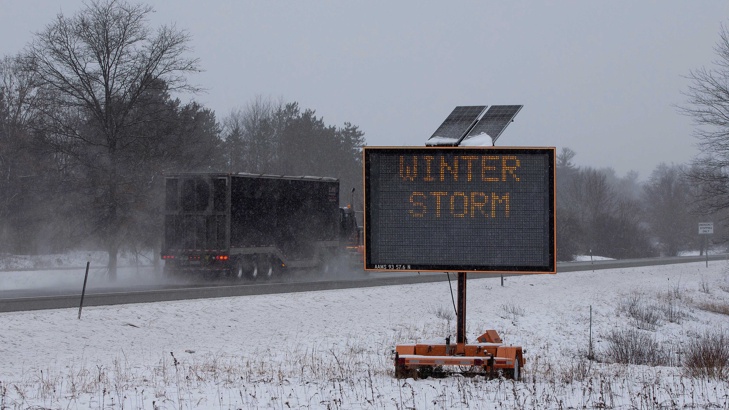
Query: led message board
[[460, 209]]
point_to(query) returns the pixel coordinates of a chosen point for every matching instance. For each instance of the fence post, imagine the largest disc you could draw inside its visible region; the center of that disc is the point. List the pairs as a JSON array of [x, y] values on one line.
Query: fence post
[[83, 291]]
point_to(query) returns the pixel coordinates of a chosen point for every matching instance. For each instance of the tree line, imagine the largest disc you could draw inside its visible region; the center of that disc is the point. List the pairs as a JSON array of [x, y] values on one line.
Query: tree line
[[89, 125], [601, 214]]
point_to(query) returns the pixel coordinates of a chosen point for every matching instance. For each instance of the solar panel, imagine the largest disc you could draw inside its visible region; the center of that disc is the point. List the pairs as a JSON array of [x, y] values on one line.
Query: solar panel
[[456, 125], [494, 122]]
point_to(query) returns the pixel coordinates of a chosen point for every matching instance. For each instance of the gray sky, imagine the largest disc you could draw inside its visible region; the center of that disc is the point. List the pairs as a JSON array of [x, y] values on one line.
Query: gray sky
[[600, 77]]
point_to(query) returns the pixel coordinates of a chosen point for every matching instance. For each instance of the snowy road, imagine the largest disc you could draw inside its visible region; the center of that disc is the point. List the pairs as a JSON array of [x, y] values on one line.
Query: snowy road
[[54, 289]]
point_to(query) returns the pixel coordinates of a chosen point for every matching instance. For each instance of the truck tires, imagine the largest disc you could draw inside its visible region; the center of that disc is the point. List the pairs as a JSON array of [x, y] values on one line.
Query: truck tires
[[265, 266], [254, 267], [245, 269], [237, 271]]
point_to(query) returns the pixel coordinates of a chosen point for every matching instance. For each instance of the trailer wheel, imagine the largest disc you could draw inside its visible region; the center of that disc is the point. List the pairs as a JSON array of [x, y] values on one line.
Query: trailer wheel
[[402, 372], [253, 270], [265, 266], [327, 263], [245, 268], [268, 269], [515, 373], [424, 372], [239, 270]]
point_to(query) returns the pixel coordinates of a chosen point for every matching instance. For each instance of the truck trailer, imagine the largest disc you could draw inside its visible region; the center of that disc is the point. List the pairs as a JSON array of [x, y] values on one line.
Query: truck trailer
[[256, 225]]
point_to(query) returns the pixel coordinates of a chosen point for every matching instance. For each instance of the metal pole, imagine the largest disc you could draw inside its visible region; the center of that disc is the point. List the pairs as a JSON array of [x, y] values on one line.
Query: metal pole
[[83, 291], [461, 326], [590, 356], [706, 249]]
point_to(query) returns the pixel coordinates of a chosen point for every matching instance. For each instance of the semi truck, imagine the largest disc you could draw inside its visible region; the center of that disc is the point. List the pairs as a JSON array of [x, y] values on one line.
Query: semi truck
[[255, 225]]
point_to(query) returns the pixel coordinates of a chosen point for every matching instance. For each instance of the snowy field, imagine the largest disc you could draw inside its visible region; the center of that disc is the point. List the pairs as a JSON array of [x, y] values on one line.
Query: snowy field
[[333, 349]]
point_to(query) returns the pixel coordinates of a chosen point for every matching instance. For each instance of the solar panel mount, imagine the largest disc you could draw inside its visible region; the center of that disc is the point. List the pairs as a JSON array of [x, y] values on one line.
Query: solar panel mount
[[456, 126], [493, 122], [470, 125]]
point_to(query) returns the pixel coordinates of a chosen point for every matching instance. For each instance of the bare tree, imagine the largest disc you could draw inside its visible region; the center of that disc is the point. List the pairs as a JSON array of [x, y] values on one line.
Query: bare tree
[[708, 106], [251, 136], [95, 69], [564, 158], [29, 176]]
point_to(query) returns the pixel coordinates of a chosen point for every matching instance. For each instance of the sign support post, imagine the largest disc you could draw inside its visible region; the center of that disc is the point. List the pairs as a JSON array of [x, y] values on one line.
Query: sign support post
[[461, 313], [706, 229]]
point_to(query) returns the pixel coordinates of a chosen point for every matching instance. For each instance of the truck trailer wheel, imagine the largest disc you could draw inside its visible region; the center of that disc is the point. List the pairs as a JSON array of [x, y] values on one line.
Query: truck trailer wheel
[[245, 269], [253, 272], [328, 263], [238, 271], [265, 266]]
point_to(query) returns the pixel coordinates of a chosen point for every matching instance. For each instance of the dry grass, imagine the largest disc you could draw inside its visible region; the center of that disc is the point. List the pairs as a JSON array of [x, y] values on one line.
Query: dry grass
[[715, 307], [444, 313], [704, 286], [512, 311], [352, 376], [634, 346], [645, 316], [708, 356], [671, 306]]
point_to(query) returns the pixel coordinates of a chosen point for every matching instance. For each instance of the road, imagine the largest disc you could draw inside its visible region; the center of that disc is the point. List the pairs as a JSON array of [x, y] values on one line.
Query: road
[[55, 290]]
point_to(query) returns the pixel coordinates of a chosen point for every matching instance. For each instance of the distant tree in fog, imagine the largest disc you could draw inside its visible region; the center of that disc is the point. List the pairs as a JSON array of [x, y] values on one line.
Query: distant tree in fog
[[281, 138], [597, 213], [595, 202], [251, 136], [564, 159], [569, 229], [668, 206], [96, 71]]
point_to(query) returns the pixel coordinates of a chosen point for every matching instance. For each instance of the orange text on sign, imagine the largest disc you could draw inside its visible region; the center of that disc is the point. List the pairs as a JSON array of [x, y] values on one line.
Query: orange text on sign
[[469, 168], [459, 204]]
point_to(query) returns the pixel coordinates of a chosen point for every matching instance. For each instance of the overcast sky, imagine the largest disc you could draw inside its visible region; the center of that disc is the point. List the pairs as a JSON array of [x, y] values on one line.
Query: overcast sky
[[602, 78]]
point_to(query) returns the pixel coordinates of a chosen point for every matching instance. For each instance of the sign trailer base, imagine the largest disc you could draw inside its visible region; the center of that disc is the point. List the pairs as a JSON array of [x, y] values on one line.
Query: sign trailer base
[[489, 357]]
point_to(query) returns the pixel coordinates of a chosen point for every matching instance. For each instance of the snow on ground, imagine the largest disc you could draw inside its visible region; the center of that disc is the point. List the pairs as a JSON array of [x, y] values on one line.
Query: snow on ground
[[590, 258], [71, 260], [332, 349], [66, 272]]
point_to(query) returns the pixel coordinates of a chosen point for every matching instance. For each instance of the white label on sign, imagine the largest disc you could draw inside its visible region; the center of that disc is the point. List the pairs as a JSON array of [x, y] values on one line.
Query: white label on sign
[[706, 228]]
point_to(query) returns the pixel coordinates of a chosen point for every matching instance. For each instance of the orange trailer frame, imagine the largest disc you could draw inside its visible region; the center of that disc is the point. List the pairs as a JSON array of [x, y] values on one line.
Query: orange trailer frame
[[489, 357]]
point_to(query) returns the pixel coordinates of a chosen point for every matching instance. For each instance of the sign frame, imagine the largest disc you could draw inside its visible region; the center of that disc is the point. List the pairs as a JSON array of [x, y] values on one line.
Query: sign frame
[[547, 231]]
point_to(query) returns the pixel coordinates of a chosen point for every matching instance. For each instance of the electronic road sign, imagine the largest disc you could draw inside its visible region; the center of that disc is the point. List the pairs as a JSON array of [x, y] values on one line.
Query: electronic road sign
[[474, 209]]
